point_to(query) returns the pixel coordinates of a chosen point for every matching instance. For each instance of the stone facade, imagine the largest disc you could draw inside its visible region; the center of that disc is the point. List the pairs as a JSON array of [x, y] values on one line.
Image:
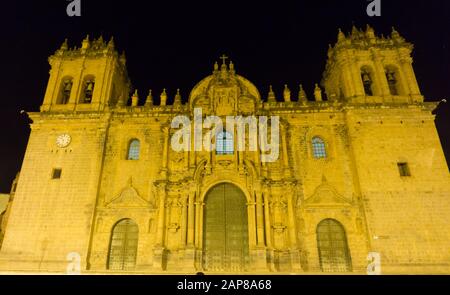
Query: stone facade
[[382, 176]]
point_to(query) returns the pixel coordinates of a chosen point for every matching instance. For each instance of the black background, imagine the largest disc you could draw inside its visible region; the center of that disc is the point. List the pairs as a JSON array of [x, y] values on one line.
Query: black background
[[174, 45]]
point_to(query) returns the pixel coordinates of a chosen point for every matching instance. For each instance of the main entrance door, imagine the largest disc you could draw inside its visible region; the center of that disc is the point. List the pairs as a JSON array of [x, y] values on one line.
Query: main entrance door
[[225, 228]]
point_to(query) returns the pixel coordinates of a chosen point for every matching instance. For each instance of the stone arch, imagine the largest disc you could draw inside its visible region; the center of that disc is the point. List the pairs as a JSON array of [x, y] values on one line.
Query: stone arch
[[216, 182]]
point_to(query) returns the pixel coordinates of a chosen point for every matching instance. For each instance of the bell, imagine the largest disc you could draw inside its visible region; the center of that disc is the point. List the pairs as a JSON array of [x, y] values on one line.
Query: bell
[[366, 78], [391, 77], [90, 86], [67, 86]]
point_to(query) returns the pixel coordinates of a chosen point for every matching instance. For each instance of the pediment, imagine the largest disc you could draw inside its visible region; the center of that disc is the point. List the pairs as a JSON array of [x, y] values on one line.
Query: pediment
[[326, 196], [129, 197]]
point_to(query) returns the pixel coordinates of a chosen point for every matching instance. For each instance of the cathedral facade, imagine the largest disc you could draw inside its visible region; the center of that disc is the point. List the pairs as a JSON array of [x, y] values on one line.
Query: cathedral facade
[[360, 182]]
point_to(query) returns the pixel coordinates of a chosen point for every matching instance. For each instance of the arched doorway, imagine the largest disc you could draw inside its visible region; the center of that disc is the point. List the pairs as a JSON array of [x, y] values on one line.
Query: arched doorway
[[225, 229], [334, 254], [123, 245]]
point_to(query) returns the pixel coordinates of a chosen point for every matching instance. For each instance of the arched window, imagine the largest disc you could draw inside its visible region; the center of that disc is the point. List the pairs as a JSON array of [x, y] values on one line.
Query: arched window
[[88, 89], [134, 149], [65, 90], [393, 79], [366, 76], [224, 143], [123, 245], [334, 254], [318, 147]]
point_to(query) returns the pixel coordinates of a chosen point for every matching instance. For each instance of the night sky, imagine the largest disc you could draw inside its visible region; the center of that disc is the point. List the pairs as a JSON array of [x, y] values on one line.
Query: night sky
[[174, 45]]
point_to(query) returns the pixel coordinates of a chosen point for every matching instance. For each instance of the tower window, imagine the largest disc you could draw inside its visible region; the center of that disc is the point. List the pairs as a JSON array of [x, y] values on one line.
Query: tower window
[[66, 89], [391, 77], [318, 146], [56, 173], [367, 82], [134, 150], [403, 169], [88, 90], [224, 143]]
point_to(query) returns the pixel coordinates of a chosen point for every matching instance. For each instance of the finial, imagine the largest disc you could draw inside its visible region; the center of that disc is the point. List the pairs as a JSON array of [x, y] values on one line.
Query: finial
[[396, 36], [177, 100], [64, 45], [163, 97], [85, 44], [370, 33], [149, 99], [317, 93], [286, 93], [135, 99], [271, 96], [111, 42], [302, 95], [231, 66], [341, 35], [216, 66]]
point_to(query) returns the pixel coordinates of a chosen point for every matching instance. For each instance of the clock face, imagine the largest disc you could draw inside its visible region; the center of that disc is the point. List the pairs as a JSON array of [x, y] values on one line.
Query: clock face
[[63, 140]]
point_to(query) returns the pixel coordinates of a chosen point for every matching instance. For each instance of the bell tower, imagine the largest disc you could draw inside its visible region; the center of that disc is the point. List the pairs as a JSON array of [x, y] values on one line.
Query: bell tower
[[90, 78], [365, 68]]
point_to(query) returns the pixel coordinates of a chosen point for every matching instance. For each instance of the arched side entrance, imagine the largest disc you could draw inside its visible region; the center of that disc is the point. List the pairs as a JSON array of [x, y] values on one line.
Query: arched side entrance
[[225, 229], [123, 245], [332, 245]]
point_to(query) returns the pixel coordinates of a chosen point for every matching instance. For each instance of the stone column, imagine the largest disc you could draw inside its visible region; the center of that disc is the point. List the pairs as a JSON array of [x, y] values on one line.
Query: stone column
[[191, 219], [357, 82], [165, 129], [189, 253], [285, 150], [158, 252], [260, 220], [251, 223], [381, 76], [184, 221], [347, 77], [260, 255], [268, 229], [410, 77], [294, 251], [267, 220], [257, 157]]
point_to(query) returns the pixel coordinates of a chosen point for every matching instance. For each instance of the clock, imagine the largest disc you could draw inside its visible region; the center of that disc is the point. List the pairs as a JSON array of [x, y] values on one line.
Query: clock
[[63, 140]]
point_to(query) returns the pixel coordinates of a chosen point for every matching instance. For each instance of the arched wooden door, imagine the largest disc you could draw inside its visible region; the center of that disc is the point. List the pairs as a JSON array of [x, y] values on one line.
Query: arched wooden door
[[334, 254], [123, 245], [225, 230]]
